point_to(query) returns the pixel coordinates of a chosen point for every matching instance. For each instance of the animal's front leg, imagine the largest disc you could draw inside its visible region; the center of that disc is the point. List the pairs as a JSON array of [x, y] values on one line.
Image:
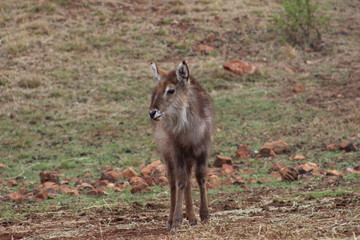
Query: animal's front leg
[[188, 199], [180, 188], [172, 185]]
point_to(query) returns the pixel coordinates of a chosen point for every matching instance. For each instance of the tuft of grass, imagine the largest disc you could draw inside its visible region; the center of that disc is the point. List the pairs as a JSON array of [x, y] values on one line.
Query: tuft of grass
[[327, 193], [30, 81]]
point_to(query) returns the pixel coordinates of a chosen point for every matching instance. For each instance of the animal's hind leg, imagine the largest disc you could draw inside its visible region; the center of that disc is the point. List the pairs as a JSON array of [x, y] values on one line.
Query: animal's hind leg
[[200, 174], [190, 215]]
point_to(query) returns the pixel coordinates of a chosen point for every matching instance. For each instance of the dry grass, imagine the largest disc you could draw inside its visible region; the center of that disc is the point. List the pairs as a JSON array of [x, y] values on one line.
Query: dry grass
[[74, 79]]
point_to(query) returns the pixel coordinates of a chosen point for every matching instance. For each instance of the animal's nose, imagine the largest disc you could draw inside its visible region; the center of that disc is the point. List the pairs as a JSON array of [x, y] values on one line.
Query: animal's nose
[[152, 113]]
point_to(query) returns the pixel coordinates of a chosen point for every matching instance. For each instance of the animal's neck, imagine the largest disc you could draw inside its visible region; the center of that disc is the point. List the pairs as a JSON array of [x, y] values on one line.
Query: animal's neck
[[179, 118]]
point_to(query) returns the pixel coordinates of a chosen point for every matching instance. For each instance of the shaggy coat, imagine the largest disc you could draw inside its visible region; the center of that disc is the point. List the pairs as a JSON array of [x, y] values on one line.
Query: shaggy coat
[[182, 119]]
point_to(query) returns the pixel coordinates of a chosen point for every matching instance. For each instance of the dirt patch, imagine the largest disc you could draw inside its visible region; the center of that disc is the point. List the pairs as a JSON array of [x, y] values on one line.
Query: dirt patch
[[263, 212]]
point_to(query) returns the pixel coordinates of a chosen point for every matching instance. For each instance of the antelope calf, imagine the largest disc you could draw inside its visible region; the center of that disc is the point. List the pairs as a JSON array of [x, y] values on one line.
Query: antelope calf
[[182, 117]]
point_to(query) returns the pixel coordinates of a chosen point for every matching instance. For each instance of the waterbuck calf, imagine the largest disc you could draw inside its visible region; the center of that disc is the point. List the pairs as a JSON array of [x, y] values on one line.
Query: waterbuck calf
[[182, 117]]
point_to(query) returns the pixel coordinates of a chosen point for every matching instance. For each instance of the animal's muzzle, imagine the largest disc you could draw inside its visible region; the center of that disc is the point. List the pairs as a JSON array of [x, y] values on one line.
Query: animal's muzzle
[[155, 114], [152, 113]]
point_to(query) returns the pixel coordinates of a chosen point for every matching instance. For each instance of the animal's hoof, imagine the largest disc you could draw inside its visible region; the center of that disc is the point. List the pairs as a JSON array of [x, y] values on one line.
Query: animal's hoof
[[204, 217], [193, 223], [169, 224], [177, 223]]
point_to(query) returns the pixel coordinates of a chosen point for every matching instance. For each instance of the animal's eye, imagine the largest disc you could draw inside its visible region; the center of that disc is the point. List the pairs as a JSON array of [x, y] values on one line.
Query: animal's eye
[[170, 91]]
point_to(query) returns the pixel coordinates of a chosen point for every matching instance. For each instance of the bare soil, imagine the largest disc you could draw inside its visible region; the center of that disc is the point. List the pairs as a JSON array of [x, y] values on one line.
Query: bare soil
[[261, 213], [307, 209]]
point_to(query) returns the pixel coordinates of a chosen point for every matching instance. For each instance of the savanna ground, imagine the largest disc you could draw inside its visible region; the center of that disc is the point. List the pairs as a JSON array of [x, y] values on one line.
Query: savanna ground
[[74, 95]]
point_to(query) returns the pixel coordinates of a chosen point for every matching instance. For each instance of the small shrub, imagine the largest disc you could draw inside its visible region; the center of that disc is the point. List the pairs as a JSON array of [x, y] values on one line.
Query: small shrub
[[300, 23]]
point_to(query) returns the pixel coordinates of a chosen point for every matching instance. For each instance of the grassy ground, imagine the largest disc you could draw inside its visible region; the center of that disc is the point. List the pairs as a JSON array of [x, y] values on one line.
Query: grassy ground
[[74, 95]]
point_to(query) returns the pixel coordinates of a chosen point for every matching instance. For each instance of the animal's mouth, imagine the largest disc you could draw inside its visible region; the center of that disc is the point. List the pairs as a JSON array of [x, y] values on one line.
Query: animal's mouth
[[156, 115], [157, 118]]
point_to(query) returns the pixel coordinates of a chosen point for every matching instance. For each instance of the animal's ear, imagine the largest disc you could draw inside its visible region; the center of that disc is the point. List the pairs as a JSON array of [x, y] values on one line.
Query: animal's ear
[[182, 72], [155, 71]]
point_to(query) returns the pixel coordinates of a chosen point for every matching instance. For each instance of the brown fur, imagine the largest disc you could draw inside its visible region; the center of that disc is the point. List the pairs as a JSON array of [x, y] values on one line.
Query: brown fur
[[183, 134]]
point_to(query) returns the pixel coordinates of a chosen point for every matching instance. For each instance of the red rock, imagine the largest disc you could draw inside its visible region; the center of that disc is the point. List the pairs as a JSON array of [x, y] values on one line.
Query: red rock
[[289, 174], [247, 171], [87, 175], [221, 160], [204, 48], [74, 192], [299, 157], [162, 181], [238, 181], [298, 88], [129, 173], [174, 22], [251, 181], [277, 175], [209, 38], [12, 183], [106, 167], [50, 185], [277, 166], [289, 69], [3, 166], [50, 188], [17, 197], [347, 147], [263, 180], [49, 176], [357, 167], [138, 185], [272, 153], [103, 182], [351, 171], [227, 169], [333, 173], [23, 190], [96, 192], [276, 147], [310, 167], [213, 171], [159, 171], [111, 175], [227, 182], [343, 145], [85, 186], [42, 195], [65, 189], [122, 185], [218, 18], [331, 147], [74, 180], [147, 171], [239, 67], [243, 152], [214, 180], [210, 186], [116, 189], [149, 180], [331, 165]]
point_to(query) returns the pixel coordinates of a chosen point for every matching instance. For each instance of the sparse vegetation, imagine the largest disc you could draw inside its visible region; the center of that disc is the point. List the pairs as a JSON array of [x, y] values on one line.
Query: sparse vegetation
[[74, 96], [301, 23]]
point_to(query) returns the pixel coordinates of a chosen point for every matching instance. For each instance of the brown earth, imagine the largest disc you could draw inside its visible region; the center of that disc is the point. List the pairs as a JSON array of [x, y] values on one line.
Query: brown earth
[[262, 213]]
